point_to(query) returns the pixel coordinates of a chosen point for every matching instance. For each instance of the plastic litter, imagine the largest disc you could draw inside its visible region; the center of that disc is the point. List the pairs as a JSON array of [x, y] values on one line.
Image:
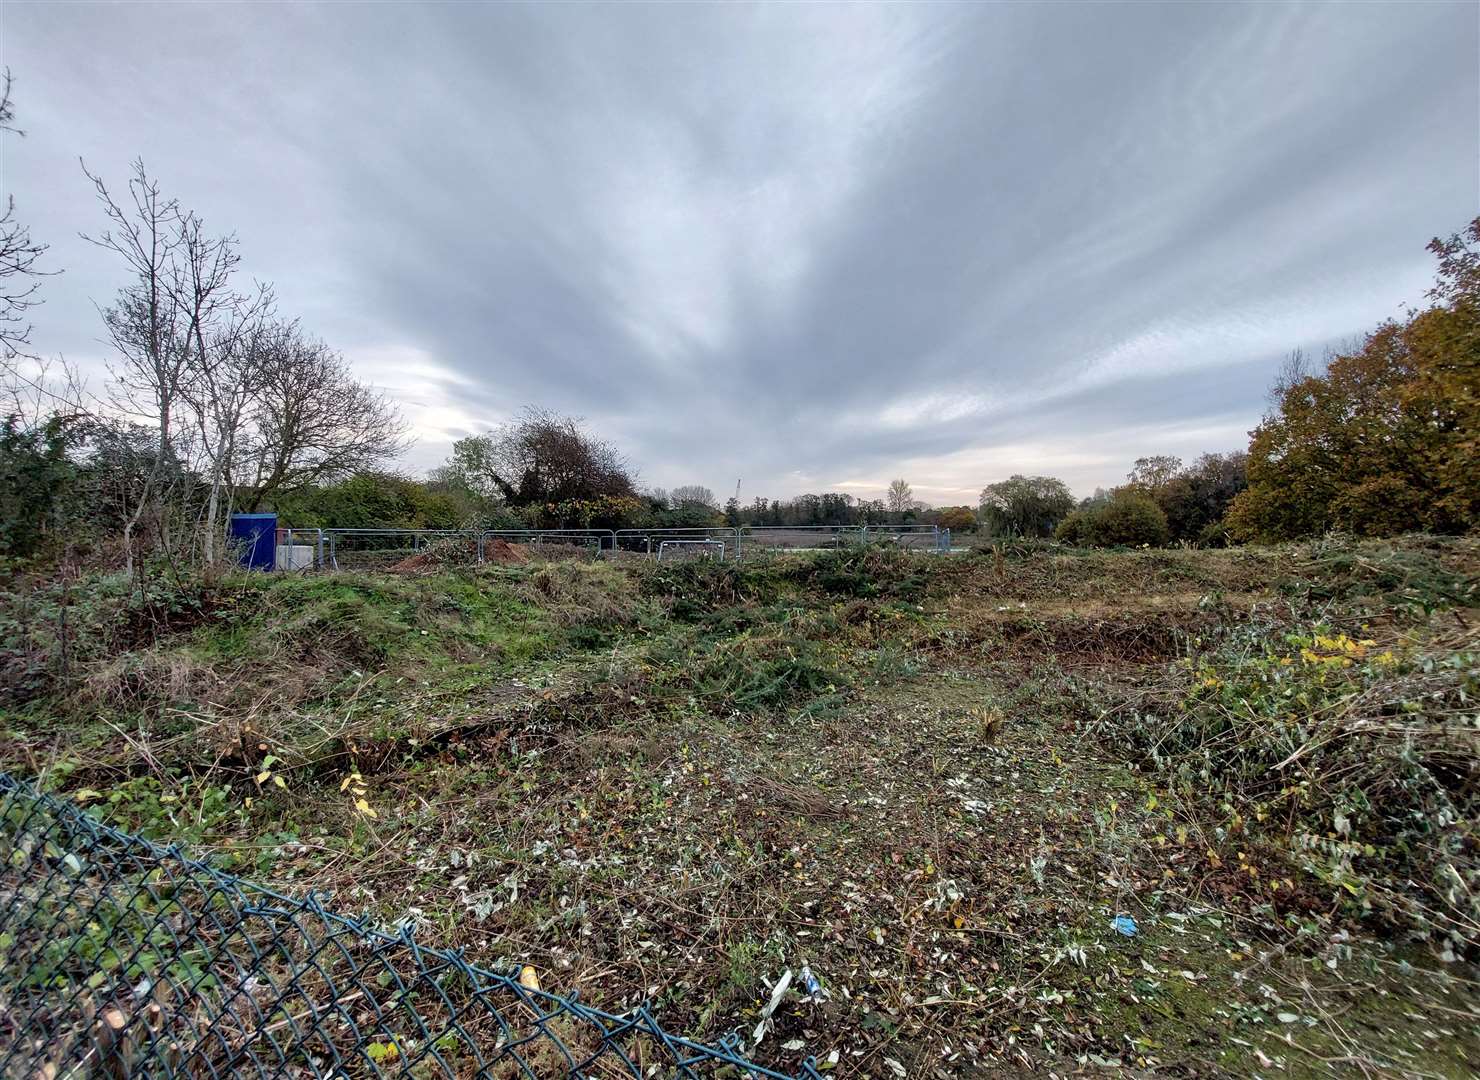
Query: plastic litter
[[1124, 924], [777, 993], [811, 987]]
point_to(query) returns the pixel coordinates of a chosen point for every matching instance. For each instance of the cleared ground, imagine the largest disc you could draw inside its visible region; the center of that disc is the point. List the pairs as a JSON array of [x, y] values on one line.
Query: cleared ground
[[933, 782]]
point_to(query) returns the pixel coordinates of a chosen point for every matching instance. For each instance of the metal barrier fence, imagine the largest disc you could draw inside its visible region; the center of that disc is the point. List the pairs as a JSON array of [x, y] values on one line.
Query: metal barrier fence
[[124, 958], [651, 541], [592, 542], [346, 549], [378, 549]]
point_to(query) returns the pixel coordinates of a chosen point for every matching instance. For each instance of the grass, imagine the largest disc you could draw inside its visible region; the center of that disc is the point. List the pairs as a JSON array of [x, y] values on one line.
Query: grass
[[932, 781]]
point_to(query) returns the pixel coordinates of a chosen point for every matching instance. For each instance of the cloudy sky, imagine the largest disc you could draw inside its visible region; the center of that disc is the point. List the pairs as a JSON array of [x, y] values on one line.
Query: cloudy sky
[[807, 247]]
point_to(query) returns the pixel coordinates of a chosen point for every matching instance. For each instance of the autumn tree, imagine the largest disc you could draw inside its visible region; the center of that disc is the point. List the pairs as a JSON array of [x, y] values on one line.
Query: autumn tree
[[1153, 473], [1387, 438], [1197, 498], [957, 518]]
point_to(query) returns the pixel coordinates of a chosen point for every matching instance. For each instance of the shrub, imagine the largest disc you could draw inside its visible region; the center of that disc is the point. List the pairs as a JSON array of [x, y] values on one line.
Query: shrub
[[36, 476], [1130, 520], [864, 571], [696, 588], [1077, 528], [578, 594]]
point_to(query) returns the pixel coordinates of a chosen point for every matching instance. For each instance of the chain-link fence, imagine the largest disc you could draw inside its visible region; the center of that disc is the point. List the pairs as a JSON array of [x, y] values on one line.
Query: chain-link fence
[[121, 958]]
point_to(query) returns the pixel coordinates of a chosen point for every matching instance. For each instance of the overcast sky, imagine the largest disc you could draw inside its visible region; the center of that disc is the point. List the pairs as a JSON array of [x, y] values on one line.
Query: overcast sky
[[807, 247]]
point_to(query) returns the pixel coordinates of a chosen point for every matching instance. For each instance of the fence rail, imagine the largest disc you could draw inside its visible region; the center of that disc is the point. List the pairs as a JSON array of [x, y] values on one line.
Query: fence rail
[[124, 958], [344, 549]]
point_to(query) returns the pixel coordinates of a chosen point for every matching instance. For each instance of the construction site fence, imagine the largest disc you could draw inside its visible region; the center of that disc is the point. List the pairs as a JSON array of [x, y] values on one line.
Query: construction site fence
[[334, 549]]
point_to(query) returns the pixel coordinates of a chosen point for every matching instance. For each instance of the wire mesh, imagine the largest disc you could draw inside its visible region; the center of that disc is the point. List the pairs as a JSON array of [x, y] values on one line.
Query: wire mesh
[[777, 539], [124, 958], [906, 537], [649, 542], [398, 549]]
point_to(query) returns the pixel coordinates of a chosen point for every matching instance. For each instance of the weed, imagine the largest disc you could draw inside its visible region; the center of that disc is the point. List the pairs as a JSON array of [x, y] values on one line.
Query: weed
[[870, 571], [584, 595]]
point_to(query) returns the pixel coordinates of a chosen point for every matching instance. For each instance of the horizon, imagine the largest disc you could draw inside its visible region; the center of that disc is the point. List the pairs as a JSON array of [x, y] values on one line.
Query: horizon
[[812, 249]]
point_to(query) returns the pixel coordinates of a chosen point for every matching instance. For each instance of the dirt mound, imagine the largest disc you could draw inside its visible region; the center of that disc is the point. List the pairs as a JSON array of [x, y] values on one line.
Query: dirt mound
[[410, 565], [505, 553]]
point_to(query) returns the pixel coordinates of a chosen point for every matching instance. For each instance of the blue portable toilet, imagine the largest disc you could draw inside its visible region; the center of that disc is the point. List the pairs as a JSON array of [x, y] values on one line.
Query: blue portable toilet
[[254, 536]]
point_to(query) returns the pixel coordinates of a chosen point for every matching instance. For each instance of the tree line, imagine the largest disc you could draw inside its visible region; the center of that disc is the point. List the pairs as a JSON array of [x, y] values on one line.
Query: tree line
[[1378, 439], [217, 401]]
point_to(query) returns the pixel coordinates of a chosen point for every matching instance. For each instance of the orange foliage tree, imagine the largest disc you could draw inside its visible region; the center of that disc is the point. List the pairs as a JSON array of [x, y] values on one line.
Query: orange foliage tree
[[1387, 438]]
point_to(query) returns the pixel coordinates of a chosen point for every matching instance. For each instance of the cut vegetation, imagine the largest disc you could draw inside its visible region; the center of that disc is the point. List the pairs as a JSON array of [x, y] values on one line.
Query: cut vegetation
[[1176, 812]]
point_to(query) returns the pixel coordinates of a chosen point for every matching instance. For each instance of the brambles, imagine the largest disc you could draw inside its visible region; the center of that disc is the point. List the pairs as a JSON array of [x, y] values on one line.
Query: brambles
[[1358, 763], [1413, 578], [694, 588], [583, 594], [869, 571]]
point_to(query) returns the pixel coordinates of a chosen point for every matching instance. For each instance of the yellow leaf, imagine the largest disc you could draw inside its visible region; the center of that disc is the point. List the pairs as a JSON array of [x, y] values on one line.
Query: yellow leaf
[[278, 780], [528, 978], [263, 777], [365, 808]]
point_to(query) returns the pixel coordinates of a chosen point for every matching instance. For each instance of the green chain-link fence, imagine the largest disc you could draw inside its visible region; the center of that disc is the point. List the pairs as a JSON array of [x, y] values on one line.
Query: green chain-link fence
[[121, 958]]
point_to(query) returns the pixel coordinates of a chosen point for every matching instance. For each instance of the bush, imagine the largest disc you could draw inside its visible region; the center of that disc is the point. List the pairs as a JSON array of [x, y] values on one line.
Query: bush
[[1077, 528], [696, 588], [580, 594], [1130, 519], [36, 476], [871, 571]]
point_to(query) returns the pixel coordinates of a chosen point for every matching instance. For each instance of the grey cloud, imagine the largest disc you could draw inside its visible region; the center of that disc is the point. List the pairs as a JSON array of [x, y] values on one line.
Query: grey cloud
[[801, 245]]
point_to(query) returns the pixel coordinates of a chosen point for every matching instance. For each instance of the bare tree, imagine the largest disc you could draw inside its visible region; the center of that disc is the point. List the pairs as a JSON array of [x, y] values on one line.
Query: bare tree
[[145, 323], [900, 496], [220, 393], [696, 496], [181, 330], [221, 327], [541, 458], [1294, 369], [19, 274], [311, 421]]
